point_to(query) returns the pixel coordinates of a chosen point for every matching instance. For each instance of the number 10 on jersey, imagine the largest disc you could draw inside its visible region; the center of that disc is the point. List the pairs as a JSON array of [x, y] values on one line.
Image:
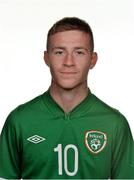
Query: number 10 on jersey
[[63, 153]]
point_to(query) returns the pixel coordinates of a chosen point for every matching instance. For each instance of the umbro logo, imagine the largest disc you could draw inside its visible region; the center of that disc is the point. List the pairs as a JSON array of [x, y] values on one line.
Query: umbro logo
[[36, 139]]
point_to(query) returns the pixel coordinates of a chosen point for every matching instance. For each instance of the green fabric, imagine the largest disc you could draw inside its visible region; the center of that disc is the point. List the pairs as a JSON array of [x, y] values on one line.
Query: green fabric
[[65, 150]]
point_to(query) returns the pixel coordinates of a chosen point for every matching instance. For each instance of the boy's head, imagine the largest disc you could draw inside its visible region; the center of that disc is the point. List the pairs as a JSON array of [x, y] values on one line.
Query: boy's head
[[71, 23]]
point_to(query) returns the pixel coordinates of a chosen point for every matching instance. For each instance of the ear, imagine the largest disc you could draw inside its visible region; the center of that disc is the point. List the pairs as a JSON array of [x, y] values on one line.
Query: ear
[[93, 60], [46, 59]]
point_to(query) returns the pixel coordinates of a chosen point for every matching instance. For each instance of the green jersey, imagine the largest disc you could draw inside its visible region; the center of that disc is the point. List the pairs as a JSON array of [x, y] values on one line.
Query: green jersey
[[40, 141]]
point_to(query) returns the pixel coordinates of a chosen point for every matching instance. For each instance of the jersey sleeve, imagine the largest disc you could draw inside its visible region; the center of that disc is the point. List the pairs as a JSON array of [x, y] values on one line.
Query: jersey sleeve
[[123, 151], [9, 150]]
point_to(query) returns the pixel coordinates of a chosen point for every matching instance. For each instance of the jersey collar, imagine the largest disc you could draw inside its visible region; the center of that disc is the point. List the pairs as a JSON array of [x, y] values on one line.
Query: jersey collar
[[78, 110]]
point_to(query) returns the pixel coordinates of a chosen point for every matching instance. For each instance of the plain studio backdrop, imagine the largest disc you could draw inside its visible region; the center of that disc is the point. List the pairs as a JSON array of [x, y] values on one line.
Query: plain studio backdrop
[[23, 29]]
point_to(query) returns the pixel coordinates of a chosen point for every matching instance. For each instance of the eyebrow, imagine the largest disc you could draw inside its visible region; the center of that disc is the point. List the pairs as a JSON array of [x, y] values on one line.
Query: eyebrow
[[80, 47], [64, 48], [58, 47]]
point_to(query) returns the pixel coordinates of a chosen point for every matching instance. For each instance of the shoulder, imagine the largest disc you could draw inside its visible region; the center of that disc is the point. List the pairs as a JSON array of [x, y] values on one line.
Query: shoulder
[[30, 105], [24, 110], [103, 106], [113, 115]]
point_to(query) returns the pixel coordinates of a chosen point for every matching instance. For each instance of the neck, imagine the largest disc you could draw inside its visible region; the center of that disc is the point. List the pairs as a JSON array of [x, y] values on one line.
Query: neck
[[68, 98]]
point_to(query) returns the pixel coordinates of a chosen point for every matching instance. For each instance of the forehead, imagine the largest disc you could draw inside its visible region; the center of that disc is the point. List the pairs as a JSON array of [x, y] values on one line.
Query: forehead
[[69, 38]]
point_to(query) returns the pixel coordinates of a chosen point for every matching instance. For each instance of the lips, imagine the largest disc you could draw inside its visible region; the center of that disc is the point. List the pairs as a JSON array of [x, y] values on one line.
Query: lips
[[68, 72]]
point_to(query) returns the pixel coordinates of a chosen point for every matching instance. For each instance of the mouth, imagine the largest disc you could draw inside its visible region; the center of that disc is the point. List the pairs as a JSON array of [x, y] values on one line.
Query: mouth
[[67, 73]]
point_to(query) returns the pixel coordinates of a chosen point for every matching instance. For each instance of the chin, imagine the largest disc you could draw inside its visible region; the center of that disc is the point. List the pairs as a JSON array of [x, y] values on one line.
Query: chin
[[67, 86]]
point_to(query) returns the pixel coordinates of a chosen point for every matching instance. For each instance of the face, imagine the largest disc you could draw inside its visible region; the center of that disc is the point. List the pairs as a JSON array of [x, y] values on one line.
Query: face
[[69, 58]]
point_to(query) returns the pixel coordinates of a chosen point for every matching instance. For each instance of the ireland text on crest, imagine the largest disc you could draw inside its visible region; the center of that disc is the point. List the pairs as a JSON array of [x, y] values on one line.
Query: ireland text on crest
[[95, 141]]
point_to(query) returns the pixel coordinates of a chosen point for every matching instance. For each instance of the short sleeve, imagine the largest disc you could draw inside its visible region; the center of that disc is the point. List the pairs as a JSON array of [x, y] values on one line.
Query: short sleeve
[[9, 150], [123, 151]]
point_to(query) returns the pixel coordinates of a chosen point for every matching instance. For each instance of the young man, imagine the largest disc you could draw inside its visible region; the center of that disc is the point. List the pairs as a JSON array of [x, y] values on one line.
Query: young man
[[67, 132]]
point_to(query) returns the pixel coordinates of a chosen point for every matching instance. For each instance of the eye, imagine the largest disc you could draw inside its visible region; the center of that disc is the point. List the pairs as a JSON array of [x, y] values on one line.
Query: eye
[[80, 52], [58, 52]]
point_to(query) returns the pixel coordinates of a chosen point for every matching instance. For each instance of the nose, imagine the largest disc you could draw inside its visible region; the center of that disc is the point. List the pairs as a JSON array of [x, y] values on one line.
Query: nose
[[69, 60]]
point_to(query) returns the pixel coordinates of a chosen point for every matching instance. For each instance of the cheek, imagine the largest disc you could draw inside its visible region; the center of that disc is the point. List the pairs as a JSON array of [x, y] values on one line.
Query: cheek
[[54, 65], [85, 73], [84, 68], [54, 69]]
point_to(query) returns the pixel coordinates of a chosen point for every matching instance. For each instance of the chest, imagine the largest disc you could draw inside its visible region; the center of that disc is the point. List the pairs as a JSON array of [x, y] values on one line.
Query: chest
[[68, 147]]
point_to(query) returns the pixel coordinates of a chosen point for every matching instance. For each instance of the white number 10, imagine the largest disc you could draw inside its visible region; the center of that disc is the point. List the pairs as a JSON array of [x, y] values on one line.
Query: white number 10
[[59, 150]]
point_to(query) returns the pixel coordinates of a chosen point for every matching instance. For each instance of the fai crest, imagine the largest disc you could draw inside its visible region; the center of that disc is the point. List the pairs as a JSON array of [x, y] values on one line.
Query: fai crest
[[95, 141]]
